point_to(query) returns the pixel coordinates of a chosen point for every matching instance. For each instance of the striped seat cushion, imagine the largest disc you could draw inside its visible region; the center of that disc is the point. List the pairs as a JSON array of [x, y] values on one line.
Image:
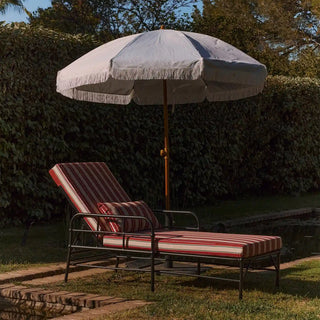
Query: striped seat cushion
[[134, 208], [87, 184], [199, 243]]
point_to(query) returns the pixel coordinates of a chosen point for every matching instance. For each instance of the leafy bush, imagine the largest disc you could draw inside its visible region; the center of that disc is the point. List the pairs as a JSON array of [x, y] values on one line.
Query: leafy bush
[[266, 144], [269, 143]]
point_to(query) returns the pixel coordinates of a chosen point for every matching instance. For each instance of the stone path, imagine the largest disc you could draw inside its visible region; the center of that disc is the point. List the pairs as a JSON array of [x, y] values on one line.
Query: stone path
[[84, 306], [290, 264], [95, 313], [60, 277], [31, 273]]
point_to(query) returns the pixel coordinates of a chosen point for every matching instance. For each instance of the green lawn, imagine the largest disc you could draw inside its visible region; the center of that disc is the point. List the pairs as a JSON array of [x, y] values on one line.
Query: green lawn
[[188, 298], [45, 244], [182, 297]]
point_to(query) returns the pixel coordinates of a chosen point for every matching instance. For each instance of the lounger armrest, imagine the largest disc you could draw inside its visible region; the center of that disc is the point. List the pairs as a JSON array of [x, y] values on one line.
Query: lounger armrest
[[171, 213], [101, 215], [99, 234]]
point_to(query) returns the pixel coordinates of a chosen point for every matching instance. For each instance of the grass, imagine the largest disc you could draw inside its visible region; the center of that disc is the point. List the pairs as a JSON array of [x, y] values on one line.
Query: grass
[[187, 298], [181, 297], [45, 244]]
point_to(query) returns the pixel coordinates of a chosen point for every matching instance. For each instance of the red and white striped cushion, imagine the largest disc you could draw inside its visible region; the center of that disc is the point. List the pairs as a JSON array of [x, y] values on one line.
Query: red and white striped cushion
[[200, 243], [133, 208], [87, 184]]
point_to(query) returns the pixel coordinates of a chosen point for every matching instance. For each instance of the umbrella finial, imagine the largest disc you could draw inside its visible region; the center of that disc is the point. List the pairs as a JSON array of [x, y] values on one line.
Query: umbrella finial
[[162, 27]]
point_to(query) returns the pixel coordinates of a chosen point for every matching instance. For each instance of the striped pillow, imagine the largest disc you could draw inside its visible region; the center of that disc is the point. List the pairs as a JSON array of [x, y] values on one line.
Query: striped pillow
[[133, 208]]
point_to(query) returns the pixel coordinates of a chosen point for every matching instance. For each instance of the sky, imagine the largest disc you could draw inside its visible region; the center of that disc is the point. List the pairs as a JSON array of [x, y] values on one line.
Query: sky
[[15, 15]]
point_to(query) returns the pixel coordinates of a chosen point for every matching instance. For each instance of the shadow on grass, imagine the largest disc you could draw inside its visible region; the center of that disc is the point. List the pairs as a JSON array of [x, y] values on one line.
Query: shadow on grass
[[297, 281]]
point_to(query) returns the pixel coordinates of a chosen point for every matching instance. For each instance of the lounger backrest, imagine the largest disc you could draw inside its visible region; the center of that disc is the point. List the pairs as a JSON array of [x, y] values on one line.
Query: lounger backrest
[[87, 184]]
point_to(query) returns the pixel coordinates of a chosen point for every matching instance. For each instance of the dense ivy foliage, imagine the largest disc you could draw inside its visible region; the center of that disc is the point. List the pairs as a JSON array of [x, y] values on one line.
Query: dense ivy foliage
[[269, 143]]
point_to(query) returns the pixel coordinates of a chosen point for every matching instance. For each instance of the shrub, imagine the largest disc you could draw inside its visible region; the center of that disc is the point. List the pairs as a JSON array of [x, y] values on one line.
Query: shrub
[[269, 143]]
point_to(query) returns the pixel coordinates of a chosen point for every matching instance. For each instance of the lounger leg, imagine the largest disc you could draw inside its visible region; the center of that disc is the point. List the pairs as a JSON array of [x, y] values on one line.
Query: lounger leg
[[277, 266], [68, 257], [198, 267], [169, 262], [68, 264], [152, 261], [152, 272], [241, 280], [117, 264]]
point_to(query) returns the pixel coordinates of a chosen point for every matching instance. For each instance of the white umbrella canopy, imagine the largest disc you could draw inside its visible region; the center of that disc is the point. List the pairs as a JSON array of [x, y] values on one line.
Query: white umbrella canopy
[[196, 67], [162, 67]]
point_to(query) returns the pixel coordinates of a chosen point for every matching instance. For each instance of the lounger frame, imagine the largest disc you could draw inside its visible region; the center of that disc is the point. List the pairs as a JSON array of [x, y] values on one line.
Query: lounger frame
[[75, 247]]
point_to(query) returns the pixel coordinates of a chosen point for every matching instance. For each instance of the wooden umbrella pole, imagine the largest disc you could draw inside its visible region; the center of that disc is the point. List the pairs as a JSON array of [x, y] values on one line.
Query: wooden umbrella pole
[[165, 152]]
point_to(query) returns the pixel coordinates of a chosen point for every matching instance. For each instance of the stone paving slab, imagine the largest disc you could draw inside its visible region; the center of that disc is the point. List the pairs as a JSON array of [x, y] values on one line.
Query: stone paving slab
[[79, 299], [84, 306], [53, 308], [31, 273], [46, 271], [94, 314], [60, 277], [291, 264]]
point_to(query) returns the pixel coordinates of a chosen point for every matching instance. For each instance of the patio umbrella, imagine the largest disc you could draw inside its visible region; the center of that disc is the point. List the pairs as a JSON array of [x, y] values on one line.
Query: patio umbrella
[[162, 67]]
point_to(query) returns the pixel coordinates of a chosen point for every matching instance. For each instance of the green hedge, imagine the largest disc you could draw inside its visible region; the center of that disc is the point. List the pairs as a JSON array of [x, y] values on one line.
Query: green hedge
[[266, 144], [269, 143]]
